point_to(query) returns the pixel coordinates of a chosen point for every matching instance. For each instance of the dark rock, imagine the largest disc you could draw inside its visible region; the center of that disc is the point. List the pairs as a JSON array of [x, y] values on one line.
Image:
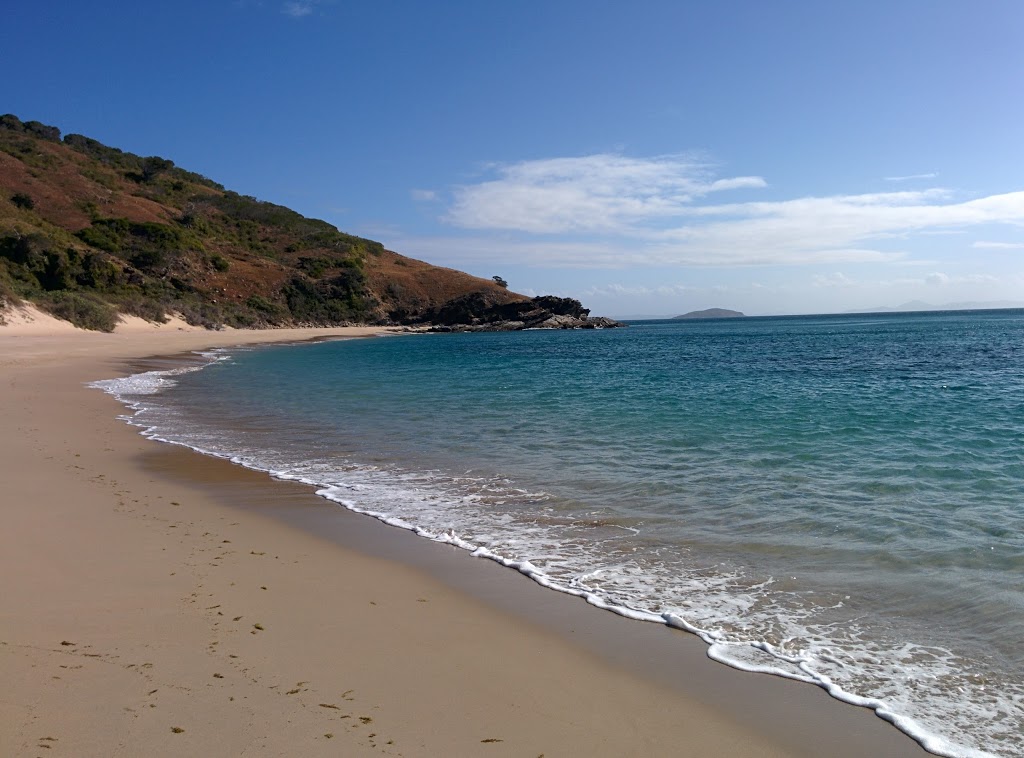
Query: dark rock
[[562, 306], [557, 321], [488, 312], [467, 309]]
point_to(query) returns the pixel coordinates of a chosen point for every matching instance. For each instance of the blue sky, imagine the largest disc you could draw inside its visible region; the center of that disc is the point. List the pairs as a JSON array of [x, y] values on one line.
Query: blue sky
[[650, 158]]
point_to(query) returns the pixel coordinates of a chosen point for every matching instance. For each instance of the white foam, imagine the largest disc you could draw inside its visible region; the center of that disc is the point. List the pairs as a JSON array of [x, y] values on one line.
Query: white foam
[[152, 382]]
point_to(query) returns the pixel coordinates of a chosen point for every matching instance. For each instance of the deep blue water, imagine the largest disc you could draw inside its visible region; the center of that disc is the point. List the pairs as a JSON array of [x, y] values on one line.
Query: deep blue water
[[838, 499]]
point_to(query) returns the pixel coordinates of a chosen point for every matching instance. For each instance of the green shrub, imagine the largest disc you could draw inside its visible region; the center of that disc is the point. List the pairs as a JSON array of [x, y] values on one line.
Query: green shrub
[[149, 259], [20, 247], [265, 310], [148, 309], [39, 257], [314, 267], [106, 234], [337, 300], [12, 123], [198, 313], [147, 245], [153, 166], [27, 151], [98, 271], [111, 156], [90, 209], [242, 320], [23, 201], [43, 263], [83, 310], [49, 133], [7, 294]]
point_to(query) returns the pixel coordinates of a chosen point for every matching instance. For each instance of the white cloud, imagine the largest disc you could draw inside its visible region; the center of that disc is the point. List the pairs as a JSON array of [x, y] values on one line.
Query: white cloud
[[739, 182], [659, 211], [603, 192], [910, 177], [837, 279], [938, 279], [298, 9], [465, 251], [982, 245], [977, 279], [619, 290], [422, 195]]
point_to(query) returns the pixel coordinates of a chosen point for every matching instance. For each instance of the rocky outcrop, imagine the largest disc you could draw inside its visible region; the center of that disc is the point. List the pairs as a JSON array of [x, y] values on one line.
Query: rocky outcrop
[[483, 312]]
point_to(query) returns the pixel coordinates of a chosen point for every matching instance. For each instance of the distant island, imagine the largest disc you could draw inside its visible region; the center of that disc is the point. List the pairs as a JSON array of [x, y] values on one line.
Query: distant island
[[712, 313]]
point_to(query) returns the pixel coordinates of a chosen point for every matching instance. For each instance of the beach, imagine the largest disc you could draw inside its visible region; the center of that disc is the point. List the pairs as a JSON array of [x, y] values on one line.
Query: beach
[[157, 602]]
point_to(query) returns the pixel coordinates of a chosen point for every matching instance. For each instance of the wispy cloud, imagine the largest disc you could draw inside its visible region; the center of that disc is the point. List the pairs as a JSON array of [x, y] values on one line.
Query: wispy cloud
[[976, 279], [982, 245], [298, 9], [603, 192], [622, 290], [423, 195], [935, 279], [910, 177], [838, 279], [610, 210], [464, 251]]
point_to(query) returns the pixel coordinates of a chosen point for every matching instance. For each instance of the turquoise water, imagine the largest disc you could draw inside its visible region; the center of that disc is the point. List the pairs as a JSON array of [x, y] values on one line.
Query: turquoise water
[[837, 499]]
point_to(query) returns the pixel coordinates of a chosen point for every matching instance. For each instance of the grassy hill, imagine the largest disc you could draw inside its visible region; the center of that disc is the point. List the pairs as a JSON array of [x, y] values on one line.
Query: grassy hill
[[89, 231]]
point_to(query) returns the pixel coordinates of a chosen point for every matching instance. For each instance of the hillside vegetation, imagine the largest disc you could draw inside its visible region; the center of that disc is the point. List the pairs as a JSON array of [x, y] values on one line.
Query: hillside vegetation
[[88, 232]]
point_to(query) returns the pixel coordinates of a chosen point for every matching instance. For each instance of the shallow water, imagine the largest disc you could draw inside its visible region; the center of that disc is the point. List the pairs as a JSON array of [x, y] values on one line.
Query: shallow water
[[837, 499]]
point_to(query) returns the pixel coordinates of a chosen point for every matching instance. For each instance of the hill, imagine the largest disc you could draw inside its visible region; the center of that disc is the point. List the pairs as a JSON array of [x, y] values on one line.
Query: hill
[[712, 313], [88, 232]]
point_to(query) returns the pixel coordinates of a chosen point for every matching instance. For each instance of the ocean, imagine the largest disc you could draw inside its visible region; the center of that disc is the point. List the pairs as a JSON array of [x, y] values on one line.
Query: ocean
[[834, 499]]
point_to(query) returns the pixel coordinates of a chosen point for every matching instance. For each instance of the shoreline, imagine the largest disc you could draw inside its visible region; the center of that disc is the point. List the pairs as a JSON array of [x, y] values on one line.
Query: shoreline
[[453, 658]]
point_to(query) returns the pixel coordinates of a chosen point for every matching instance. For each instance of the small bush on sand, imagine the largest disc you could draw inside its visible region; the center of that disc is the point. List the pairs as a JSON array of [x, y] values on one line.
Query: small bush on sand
[[82, 310], [7, 295]]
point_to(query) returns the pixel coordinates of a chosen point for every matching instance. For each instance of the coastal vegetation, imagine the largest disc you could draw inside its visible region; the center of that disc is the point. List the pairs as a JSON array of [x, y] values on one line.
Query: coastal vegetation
[[89, 232]]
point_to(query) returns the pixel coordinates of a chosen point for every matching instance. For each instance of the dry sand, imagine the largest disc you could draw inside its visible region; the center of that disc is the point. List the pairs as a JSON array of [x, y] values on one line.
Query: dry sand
[[157, 603]]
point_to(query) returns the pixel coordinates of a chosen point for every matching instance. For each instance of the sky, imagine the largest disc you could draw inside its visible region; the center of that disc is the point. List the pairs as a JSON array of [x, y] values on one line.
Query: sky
[[650, 158]]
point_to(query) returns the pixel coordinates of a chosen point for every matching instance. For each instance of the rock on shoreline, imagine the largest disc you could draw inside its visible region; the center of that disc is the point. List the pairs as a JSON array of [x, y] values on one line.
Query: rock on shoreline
[[480, 312]]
